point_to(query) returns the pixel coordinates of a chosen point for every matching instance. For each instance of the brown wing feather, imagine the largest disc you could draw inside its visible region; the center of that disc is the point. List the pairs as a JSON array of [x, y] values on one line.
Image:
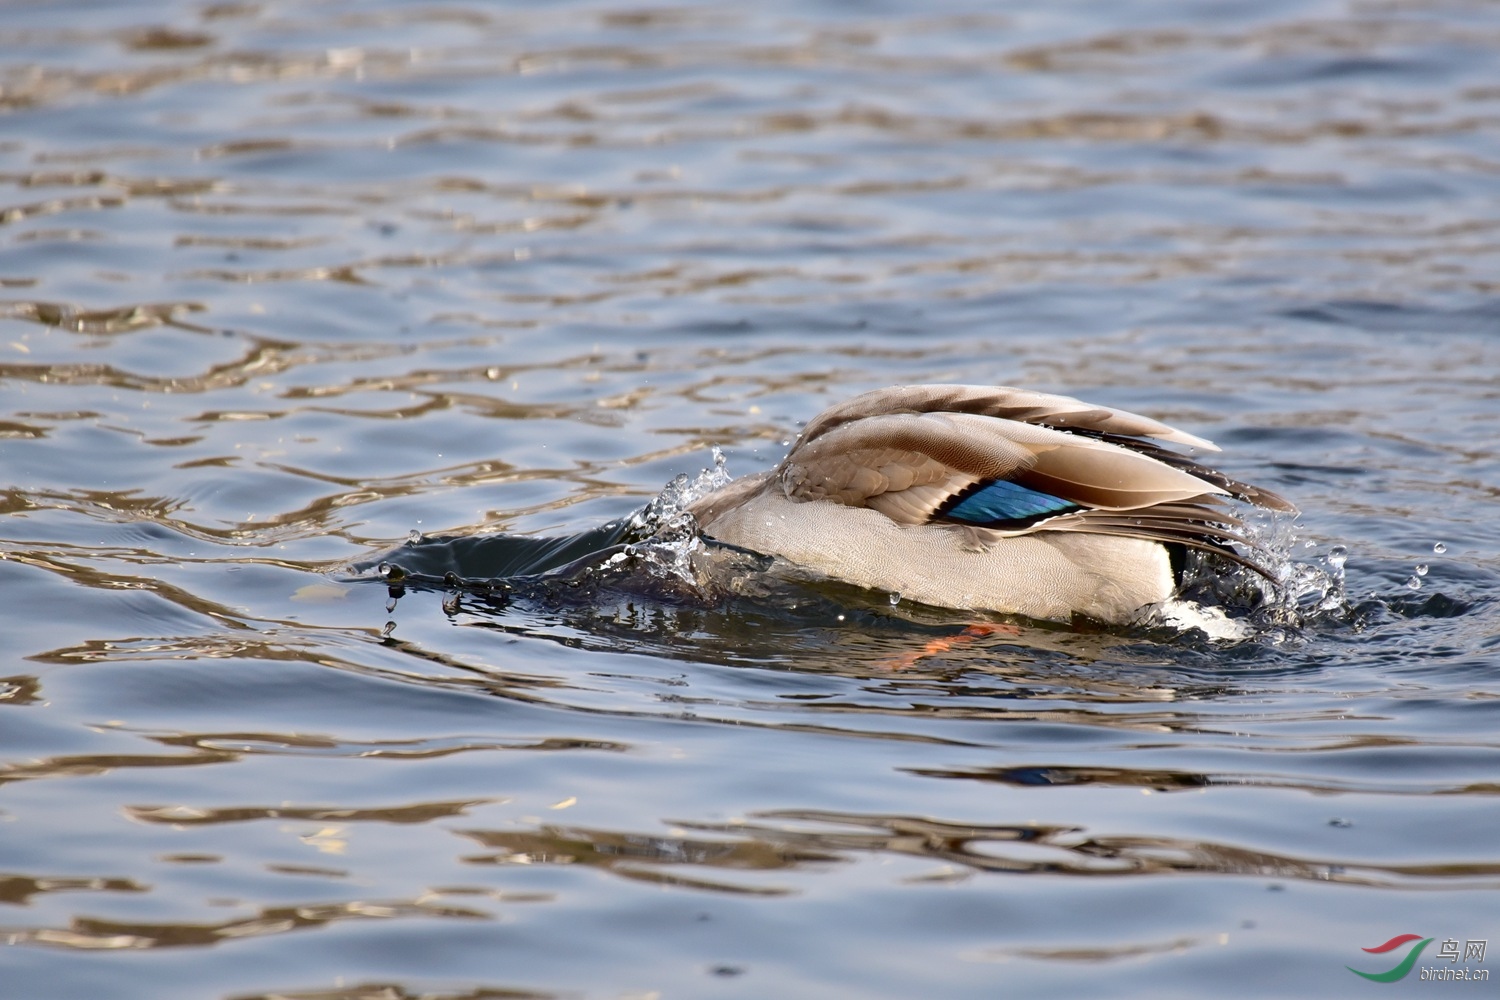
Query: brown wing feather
[[1257, 495], [858, 461], [845, 463], [1088, 470], [906, 450], [1023, 405]]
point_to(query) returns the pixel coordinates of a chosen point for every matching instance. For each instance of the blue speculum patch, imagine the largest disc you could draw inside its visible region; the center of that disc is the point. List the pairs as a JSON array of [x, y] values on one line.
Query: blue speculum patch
[[1002, 502]]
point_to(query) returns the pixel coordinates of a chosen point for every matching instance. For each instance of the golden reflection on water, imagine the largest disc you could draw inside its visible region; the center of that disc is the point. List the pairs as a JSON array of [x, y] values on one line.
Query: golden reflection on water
[[403, 991], [1037, 848], [91, 934], [181, 816], [646, 858], [763, 844]]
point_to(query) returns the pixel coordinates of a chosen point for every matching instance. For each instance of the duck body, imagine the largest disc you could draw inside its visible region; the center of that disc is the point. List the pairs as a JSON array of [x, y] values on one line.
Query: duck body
[[987, 498]]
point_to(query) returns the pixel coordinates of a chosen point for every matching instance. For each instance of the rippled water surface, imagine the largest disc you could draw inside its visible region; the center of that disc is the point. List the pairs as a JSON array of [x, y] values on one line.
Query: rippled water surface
[[281, 284]]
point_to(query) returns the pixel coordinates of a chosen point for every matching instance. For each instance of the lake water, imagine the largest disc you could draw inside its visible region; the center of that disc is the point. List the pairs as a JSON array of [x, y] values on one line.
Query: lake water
[[283, 284]]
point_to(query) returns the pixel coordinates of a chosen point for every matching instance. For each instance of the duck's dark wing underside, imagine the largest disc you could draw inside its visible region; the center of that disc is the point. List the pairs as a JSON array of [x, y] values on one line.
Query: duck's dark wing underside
[[1205, 526]]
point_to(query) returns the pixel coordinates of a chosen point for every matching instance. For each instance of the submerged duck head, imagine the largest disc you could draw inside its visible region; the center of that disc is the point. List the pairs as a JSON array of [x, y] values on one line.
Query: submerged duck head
[[989, 498]]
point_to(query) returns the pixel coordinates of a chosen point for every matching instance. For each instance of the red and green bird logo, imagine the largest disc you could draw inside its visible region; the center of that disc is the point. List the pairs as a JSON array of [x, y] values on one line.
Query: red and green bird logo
[[1402, 967]]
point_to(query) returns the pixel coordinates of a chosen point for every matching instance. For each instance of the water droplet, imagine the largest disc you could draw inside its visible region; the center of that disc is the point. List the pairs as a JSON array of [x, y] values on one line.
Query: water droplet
[[387, 629], [1415, 583], [841, 617], [1309, 544], [786, 444], [1421, 569], [390, 605], [895, 598], [1337, 556], [1439, 548], [413, 537]]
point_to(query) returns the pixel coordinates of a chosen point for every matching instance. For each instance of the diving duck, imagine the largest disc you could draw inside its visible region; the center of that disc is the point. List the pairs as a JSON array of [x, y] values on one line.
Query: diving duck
[[989, 498]]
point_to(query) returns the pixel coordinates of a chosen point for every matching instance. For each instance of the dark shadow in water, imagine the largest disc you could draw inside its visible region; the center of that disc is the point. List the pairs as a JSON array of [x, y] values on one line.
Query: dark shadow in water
[[1165, 780], [1399, 317]]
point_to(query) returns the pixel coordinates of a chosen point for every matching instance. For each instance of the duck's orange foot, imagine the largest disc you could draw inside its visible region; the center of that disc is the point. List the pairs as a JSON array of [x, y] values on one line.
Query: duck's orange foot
[[936, 646]]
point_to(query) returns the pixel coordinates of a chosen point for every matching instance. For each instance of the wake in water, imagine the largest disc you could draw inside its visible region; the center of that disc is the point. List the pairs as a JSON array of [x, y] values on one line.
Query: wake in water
[[657, 550]]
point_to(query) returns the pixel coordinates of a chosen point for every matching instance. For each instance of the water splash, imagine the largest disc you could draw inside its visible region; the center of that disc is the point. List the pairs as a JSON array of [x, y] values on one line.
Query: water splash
[[1228, 602], [665, 543], [670, 505]]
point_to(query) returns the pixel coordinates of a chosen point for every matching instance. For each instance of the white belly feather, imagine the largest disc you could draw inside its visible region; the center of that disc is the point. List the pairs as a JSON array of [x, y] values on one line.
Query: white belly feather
[[1050, 575]]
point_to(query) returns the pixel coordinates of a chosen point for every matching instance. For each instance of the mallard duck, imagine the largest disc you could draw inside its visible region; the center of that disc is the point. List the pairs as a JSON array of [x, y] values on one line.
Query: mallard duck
[[989, 498]]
